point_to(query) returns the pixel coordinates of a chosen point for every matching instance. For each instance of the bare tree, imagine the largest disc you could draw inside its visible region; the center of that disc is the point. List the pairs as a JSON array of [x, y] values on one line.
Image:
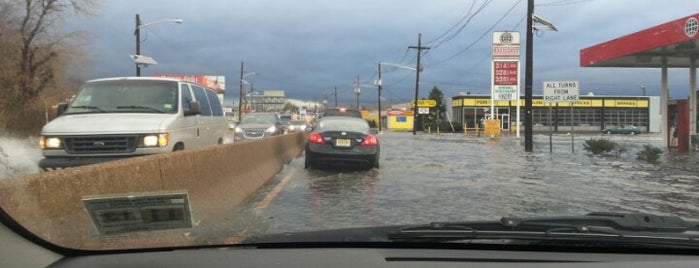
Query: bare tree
[[33, 54]]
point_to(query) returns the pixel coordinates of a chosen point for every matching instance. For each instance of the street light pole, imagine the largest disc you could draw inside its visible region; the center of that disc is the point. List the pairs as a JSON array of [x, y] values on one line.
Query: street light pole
[[378, 84], [137, 32], [240, 92], [357, 90], [138, 42]]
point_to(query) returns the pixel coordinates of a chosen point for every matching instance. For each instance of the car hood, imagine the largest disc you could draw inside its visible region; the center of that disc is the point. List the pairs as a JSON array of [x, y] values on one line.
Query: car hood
[[98, 123], [255, 126], [360, 234]]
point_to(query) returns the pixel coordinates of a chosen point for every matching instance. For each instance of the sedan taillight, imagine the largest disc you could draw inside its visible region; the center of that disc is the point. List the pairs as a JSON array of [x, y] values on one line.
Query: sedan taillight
[[370, 140], [315, 137]]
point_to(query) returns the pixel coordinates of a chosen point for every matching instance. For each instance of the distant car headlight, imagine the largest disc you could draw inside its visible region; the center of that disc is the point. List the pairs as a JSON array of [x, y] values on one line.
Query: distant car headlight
[[159, 140], [238, 130], [49, 143], [271, 129]]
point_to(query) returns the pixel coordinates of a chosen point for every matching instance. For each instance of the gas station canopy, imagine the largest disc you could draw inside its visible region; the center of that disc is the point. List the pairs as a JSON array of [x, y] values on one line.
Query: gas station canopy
[[673, 44], [677, 41]]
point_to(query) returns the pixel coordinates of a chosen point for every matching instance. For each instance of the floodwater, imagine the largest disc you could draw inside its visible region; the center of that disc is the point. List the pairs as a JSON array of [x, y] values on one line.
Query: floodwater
[[453, 177]]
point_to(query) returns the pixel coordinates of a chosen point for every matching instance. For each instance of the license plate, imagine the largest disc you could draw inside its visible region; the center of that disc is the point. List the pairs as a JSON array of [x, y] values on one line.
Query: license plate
[[343, 142]]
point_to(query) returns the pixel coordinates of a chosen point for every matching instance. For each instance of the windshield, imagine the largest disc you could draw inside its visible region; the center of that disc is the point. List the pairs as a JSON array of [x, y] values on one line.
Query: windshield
[[120, 96], [405, 113], [267, 119]]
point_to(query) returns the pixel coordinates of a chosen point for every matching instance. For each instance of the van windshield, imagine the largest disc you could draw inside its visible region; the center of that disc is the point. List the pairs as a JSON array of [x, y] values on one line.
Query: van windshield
[[125, 96]]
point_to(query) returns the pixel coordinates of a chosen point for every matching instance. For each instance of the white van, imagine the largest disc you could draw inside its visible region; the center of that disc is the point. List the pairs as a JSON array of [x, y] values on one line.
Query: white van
[[115, 118]]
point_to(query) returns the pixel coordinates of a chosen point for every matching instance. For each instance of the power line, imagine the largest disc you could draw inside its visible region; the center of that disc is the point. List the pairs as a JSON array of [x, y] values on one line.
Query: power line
[[452, 36], [562, 3], [464, 17], [480, 37]]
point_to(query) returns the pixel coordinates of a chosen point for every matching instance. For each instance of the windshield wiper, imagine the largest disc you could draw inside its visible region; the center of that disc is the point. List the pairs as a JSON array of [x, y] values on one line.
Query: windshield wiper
[[88, 107], [140, 107], [613, 227]]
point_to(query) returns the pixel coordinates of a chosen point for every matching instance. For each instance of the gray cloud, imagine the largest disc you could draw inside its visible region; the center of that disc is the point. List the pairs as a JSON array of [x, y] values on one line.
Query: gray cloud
[[308, 47]]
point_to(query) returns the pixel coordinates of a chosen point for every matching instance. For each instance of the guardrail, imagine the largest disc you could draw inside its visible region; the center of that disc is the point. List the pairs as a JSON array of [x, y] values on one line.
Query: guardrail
[[216, 180]]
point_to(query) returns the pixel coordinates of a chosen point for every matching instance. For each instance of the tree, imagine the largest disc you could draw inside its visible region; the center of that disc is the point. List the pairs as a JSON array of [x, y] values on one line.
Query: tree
[[437, 113], [440, 110], [290, 108], [34, 57]]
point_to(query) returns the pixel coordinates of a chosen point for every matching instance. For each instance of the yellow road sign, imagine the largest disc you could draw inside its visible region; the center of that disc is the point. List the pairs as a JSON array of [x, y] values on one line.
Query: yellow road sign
[[424, 103], [492, 127]]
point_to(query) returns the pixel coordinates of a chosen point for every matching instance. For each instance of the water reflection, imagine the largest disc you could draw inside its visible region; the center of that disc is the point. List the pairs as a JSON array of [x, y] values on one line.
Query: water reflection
[[341, 197], [428, 178]]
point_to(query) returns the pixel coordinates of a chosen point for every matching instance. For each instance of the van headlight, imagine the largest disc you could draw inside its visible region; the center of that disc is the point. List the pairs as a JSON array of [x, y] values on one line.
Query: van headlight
[[238, 130], [49, 143], [156, 140], [271, 129]]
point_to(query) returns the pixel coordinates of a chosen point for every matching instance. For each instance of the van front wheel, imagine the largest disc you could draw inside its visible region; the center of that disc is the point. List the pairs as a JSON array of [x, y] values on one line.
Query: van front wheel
[[178, 147]]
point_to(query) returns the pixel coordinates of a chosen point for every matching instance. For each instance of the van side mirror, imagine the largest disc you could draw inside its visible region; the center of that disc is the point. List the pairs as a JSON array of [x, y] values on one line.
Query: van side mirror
[[61, 108], [194, 108]]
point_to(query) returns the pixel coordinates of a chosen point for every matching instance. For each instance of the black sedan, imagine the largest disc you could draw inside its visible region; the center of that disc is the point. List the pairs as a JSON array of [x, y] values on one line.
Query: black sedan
[[342, 141]]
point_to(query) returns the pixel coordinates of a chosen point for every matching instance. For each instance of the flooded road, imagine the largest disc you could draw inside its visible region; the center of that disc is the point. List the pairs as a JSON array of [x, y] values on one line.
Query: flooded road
[[454, 177]]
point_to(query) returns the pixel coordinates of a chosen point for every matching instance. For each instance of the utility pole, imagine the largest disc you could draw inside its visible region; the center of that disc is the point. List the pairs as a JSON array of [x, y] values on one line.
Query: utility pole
[[378, 84], [138, 43], [252, 99], [335, 96], [240, 94], [357, 90], [528, 77], [419, 49]]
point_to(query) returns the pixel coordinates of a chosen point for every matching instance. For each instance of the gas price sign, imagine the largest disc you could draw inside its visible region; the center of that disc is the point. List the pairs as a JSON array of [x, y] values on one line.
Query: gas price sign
[[505, 80]]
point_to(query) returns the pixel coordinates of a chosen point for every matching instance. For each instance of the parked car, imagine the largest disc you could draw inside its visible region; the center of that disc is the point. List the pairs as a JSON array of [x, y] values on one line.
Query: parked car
[[342, 141], [259, 125], [116, 118], [297, 126], [626, 129]]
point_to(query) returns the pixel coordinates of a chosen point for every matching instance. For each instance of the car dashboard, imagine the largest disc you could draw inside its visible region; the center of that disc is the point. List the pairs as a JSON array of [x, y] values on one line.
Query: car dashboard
[[373, 257]]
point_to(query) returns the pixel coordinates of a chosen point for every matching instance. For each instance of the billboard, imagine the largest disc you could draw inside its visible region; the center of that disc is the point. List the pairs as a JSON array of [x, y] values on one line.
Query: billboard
[[216, 82]]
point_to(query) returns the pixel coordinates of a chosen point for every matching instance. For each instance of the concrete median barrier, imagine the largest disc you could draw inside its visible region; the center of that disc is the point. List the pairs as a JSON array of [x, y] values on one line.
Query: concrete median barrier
[[216, 180]]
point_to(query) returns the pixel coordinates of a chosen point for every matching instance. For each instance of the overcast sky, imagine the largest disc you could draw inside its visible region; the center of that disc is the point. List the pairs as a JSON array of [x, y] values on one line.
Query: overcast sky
[[308, 47]]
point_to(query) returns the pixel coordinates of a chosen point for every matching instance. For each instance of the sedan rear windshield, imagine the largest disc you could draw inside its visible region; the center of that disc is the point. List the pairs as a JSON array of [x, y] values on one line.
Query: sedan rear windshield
[[343, 124]]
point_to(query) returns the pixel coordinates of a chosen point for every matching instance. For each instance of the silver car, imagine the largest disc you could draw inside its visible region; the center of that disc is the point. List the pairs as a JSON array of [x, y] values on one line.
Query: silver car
[[259, 125], [297, 126]]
